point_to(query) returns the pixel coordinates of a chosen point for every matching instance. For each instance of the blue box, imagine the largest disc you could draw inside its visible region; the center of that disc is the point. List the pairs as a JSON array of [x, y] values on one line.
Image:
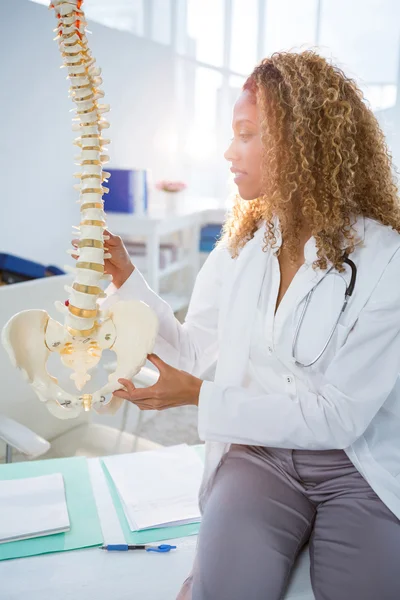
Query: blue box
[[128, 191], [15, 268], [209, 234]]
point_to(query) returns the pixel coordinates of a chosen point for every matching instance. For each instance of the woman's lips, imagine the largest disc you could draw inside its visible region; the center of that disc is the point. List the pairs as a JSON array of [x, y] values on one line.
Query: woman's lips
[[239, 175]]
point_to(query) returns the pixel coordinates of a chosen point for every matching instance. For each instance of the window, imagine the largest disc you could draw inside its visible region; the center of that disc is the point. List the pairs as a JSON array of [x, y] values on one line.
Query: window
[[364, 36], [161, 21], [127, 15], [205, 29], [218, 42], [290, 24], [201, 142], [380, 97], [235, 87], [243, 50]]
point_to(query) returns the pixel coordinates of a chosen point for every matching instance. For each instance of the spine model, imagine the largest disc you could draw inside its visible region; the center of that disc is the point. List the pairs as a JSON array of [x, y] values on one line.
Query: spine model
[[81, 309], [127, 328]]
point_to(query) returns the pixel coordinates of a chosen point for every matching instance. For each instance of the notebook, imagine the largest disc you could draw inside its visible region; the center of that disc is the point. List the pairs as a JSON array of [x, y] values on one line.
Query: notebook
[[158, 488], [32, 507]]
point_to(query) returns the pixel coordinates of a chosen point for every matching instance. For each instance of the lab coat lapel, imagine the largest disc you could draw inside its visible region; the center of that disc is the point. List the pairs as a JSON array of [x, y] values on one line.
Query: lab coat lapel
[[308, 279], [238, 311]]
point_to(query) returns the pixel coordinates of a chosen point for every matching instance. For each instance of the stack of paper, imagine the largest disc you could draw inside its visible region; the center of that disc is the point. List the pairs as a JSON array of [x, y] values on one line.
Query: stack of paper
[[158, 488], [32, 507]]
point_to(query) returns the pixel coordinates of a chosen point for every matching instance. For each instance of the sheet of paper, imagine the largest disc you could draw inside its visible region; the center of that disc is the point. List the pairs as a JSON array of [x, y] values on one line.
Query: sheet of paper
[[32, 507], [159, 487]]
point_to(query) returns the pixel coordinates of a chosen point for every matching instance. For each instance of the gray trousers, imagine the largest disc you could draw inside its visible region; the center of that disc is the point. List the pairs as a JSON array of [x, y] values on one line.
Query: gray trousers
[[266, 503]]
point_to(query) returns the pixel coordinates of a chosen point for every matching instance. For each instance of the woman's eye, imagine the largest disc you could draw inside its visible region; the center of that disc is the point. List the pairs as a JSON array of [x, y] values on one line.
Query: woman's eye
[[244, 137]]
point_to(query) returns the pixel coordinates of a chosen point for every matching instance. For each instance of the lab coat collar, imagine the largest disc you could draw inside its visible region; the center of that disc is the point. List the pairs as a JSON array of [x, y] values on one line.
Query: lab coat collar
[[310, 248], [241, 295]]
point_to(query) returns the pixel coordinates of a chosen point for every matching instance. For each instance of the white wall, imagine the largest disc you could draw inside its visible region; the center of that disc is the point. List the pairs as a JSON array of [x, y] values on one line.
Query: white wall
[[390, 122], [37, 201]]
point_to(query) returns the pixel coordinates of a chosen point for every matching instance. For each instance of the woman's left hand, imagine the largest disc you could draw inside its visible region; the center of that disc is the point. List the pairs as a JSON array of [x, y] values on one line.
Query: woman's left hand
[[173, 388]]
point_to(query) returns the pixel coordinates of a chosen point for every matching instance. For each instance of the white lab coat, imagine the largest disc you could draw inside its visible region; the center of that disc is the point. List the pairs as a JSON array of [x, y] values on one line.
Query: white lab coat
[[350, 399]]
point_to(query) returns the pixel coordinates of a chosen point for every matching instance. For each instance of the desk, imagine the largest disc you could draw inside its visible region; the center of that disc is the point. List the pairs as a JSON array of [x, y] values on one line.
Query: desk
[[97, 575], [94, 574]]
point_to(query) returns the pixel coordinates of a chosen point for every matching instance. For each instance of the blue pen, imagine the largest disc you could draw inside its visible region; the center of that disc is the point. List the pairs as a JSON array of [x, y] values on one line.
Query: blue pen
[[125, 547]]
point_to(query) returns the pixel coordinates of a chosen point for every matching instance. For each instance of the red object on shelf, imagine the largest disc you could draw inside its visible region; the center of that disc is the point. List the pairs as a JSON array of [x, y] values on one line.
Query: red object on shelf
[[66, 303]]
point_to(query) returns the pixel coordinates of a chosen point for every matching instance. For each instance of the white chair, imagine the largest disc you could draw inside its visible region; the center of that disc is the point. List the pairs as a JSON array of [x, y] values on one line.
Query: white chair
[[19, 437], [21, 406]]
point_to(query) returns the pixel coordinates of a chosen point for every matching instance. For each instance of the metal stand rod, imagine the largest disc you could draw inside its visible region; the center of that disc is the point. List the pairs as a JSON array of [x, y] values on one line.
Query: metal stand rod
[[8, 454]]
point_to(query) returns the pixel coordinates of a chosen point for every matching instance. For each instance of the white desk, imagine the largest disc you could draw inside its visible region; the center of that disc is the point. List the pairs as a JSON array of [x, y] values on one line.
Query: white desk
[[97, 575], [94, 574]]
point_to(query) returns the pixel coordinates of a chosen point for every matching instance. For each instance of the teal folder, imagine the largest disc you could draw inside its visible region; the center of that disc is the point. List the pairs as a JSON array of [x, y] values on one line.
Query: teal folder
[[85, 525], [149, 535]]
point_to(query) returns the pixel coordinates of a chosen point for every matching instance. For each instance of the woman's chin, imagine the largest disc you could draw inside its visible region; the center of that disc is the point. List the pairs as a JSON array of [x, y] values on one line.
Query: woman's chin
[[247, 194]]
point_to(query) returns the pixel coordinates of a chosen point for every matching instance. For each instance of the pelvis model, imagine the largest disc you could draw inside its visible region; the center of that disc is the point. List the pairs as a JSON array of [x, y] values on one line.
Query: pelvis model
[[127, 328]]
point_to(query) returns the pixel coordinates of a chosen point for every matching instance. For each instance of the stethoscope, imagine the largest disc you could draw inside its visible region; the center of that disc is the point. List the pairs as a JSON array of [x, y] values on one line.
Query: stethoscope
[[348, 292]]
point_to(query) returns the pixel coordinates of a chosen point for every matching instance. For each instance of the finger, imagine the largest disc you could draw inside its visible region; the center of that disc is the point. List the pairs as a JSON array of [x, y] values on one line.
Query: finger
[[157, 362], [143, 394], [114, 240], [143, 405], [128, 385], [75, 245], [127, 393], [122, 394]]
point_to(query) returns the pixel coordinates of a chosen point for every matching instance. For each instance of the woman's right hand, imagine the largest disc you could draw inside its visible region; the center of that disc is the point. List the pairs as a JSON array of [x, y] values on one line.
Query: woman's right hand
[[119, 265]]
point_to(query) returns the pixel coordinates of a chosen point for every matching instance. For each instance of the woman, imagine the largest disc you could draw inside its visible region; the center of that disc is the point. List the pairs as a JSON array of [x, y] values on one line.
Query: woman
[[302, 445]]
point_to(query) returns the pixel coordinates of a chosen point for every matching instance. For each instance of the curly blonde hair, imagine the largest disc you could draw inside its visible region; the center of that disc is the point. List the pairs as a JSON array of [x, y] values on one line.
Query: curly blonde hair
[[325, 160]]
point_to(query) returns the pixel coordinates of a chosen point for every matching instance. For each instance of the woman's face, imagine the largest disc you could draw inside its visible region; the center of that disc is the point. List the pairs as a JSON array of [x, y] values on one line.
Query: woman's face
[[245, 150]]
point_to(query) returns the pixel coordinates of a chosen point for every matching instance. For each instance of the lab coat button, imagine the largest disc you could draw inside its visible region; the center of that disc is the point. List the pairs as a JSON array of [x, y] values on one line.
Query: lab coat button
[[289, 379], [270, 350]]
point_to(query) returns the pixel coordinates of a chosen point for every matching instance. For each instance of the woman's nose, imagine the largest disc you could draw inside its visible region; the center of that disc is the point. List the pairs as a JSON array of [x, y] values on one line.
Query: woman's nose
[[230, 154]]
